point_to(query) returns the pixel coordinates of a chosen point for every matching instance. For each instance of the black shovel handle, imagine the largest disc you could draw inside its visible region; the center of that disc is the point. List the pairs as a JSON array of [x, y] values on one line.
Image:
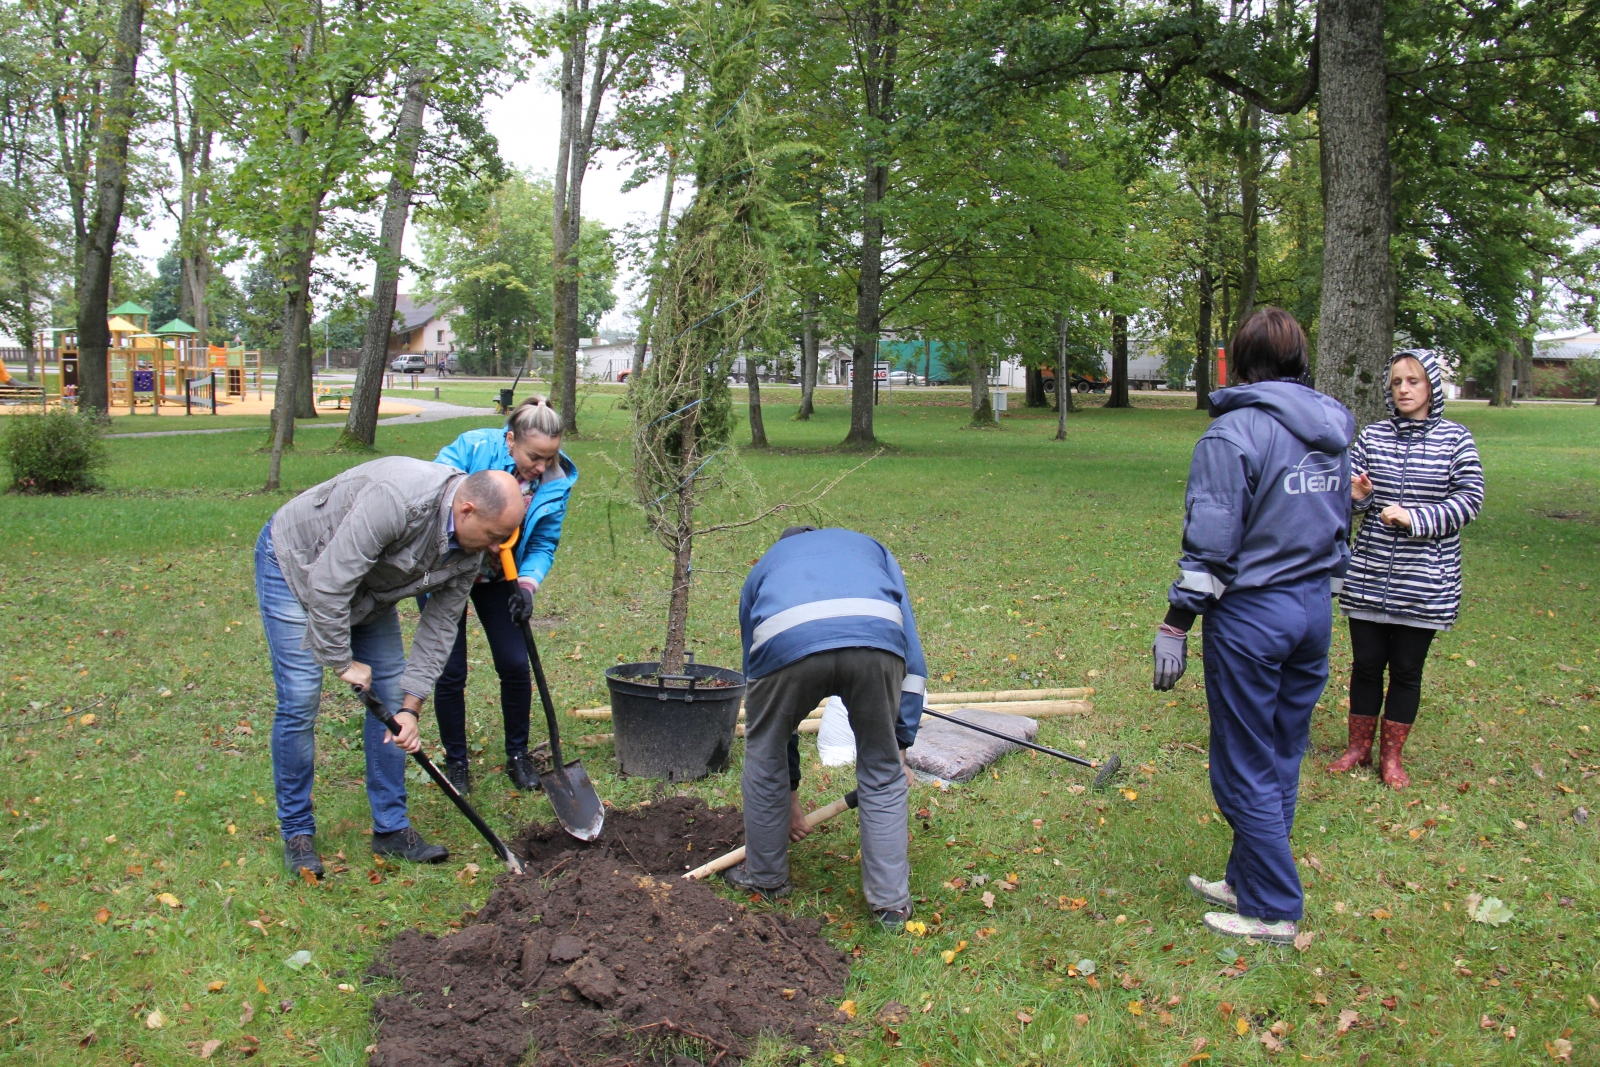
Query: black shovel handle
[[1079, 760], [544, 694], [381, 713]]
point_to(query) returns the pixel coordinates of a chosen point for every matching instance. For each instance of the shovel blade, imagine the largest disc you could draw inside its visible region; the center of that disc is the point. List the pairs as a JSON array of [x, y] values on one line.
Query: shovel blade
[[577, 805]]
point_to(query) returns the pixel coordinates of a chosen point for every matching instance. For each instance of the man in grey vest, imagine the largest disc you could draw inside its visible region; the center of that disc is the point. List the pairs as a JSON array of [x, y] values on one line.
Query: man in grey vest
[[330, 567]]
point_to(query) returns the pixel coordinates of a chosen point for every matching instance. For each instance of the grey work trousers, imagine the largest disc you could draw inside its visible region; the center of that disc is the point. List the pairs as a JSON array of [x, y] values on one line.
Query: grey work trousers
[[868, 681]]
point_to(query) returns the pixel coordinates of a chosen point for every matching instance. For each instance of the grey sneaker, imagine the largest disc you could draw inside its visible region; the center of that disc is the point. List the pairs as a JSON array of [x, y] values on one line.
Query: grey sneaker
[[300, 854], [1219, 893], [893, 919], [740, 877], [1230, 925]]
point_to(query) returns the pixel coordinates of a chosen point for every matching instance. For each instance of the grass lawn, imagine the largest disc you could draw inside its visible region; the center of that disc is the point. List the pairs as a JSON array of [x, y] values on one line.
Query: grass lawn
[[140, 868]]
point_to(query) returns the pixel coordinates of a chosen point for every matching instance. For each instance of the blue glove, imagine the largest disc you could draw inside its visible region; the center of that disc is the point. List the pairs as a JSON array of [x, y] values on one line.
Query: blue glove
[[1171, 654], [520, 607]]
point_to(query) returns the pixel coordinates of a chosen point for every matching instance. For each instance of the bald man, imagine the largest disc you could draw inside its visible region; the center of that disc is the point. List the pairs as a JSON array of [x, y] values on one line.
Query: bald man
[[330, 567]]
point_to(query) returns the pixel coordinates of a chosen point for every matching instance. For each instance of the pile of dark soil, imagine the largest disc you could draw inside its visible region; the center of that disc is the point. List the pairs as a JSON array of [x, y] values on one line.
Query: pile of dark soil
[[602, 954], [666, 836]]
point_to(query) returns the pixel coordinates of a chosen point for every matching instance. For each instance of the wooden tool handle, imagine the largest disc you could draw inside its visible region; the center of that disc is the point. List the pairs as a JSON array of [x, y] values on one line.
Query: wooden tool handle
[[736, 857]]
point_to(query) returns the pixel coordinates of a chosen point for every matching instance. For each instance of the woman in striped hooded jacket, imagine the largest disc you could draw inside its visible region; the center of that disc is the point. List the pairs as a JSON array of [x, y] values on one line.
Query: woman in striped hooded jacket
[[1417, 481]]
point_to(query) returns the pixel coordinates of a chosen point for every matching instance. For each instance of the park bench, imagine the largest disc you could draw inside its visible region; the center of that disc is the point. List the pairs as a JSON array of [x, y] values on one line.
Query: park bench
[[21, 393]]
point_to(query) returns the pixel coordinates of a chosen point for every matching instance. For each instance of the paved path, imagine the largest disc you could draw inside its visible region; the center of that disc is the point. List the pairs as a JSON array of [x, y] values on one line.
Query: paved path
[[432, 411]]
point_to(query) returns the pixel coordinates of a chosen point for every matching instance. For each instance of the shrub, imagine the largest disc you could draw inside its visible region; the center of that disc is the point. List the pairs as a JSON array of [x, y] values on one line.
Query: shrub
[[57, 452]]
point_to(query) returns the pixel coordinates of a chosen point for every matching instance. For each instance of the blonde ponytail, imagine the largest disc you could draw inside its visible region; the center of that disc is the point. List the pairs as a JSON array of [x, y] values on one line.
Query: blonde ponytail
[[534, 415]]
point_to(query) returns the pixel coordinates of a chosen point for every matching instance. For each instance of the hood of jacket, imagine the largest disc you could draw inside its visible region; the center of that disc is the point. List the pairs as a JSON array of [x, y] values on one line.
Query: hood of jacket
[[1430, 363], [1315, 418]]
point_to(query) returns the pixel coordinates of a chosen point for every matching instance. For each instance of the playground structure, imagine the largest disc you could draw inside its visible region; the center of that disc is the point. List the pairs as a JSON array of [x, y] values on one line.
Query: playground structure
[[148, 370]]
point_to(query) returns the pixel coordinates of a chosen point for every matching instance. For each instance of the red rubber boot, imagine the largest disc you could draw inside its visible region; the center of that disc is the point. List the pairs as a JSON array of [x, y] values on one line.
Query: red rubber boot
[[1362, 727], [1389, 747]]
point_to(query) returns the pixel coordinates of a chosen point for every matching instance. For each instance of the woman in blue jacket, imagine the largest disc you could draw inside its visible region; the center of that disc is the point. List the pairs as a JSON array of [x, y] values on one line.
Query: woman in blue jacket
[[529, 448], [1418, 481], [1267, 513]]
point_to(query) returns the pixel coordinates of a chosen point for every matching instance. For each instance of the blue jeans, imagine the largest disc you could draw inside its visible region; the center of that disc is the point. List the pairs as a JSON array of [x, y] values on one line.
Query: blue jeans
[[298, 679], [1266, 664]]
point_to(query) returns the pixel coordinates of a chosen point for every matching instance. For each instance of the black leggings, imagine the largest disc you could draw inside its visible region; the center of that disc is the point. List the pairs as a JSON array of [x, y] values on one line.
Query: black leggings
[[489, 603], [1403, 649]]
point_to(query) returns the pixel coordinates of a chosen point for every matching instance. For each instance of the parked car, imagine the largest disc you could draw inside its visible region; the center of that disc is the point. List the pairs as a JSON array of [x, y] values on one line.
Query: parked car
[[413, 364], [902, 377], [1083, 383], [449, 363]]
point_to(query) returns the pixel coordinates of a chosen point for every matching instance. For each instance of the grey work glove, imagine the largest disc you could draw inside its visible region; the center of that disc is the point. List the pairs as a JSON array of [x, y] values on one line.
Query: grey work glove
[[1171, 654]]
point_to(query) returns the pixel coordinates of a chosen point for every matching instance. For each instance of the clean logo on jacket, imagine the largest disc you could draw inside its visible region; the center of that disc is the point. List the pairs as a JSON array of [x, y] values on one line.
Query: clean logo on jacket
[[1318, 472]]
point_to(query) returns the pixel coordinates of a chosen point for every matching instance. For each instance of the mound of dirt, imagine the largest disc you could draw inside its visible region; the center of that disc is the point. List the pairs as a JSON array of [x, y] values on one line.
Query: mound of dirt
[[666, 837], [591, 959]]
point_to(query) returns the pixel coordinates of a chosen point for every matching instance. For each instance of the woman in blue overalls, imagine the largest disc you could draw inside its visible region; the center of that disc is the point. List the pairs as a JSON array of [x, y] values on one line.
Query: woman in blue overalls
[[1267, 515], [530, 448]]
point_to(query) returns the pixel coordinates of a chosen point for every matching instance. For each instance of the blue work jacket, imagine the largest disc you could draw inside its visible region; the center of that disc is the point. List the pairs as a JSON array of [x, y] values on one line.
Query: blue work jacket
[[485, 450]]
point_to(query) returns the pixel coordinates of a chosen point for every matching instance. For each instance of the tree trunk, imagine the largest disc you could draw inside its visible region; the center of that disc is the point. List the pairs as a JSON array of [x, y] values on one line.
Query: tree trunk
[[1202, 339], [927, 362], [877, 50], [299, 243], [1034, 388], [1356, 331], [111, 187], [305, 401], [1525, 367], [641, 343], [28, 321], [808, 355], [982, 404], [758, 428], [1250, 212], [361, 425], [869, 303], [1063, 380], [682, 553], [1505, 368], [1119, 363]]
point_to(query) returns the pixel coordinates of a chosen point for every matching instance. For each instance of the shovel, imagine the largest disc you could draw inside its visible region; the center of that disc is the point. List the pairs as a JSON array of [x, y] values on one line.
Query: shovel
[[571, 794], [1108, 769], [381, 713]]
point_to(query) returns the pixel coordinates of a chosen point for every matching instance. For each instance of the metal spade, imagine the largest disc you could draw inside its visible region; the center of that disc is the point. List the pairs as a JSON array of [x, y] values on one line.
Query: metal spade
[[572, 795]]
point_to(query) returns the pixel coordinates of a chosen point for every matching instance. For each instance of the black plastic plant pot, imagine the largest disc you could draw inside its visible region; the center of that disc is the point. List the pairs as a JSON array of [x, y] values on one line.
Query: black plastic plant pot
[[673, 726]]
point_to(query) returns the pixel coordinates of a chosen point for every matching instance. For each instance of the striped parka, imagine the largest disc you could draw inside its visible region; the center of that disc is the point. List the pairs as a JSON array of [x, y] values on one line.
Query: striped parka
[[1431, 468]]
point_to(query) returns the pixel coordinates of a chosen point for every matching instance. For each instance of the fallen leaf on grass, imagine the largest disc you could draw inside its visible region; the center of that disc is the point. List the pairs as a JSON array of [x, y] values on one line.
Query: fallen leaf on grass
[[1382, 913], [848, 1009], [1129, 982], [988, 899], [1024, 1018], [1347, 1019], [1559, 1049], [1303, 939], [1486, 1023], [308, 876], [207, 1048], [86, 1040], [155, 1020], [248, 1013], [215, 987], [298, 961], [949, 955], [102, 916], [1241, 1026], [1492, 912], [1270, 1041], [169, 900], [917, 928], [1319, 1000], [1225, 1009], [893, 1013], [1135, 1008], [1081, 1019], [249, 1046], [1390, 1003]]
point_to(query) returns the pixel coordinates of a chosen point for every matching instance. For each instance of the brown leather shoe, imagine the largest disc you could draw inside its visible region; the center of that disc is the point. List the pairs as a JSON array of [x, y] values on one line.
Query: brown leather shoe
[[1389, 747], [1359, 753]]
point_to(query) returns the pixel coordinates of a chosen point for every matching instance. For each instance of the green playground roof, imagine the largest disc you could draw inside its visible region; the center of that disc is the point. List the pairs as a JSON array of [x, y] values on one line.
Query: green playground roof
[[176, 326], [129, 308]]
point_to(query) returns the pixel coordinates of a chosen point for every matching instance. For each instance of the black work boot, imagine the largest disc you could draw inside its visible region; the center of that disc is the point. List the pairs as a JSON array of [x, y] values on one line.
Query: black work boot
[[739, 875], [408, 845], [521, 771], [299, 854], [459, 774]]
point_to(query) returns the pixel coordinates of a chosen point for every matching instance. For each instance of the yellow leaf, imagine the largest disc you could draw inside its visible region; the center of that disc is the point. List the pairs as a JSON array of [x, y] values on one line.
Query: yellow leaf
[[261, 986], [232, 829], [1383, 913], [849, 1009], [1131, 794], [102, 916], [917, 928], [215, 987], [169, 900], [948, 955], [155, 1020], [1135, 1008], [1241, 1026], [87, 720]]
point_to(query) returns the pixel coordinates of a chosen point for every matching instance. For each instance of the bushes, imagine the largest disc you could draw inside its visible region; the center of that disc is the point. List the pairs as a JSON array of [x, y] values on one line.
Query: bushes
[[53, 453]]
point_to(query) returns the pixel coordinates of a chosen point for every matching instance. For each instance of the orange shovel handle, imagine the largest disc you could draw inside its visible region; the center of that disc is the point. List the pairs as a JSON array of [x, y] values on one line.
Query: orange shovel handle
[[507, 563]]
